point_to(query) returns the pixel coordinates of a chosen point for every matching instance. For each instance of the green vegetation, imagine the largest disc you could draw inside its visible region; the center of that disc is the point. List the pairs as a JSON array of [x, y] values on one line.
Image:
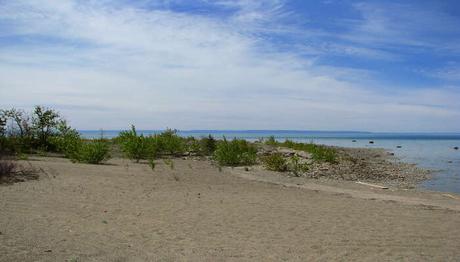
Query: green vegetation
[[202, 147], [45, 123], [296, 167], [275, 162], [30, 132], [170, 143], [318, 152], [92, 152], [137, 147], [68, 142], [235, 153], [193, 146], [3, 140], [152, 164], [208, 145], [43, 130], [271, 141]]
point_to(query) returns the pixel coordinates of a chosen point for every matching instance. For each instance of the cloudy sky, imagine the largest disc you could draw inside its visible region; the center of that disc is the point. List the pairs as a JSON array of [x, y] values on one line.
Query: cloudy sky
[[242, 64]]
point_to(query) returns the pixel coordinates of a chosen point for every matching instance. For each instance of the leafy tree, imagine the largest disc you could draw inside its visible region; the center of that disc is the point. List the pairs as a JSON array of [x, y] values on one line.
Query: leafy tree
[[45, 122], [21, 122], [3, 119]]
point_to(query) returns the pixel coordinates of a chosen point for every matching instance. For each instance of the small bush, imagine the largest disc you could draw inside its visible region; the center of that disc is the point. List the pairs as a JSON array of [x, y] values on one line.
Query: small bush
[[68, 142], [235, 153], [30, 131], [7, 168], [136, 147], [208, 145], [271, 141], [152, 164], [322, 153], [193, 146], [275, 162], [319, 152], [170, 143], [203, 147], [93, 152], [296, 167], [12, 172]]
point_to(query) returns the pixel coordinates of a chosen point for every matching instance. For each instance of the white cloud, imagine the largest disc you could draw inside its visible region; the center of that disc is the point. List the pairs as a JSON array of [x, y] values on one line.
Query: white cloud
[[107, 67], [395, 24]]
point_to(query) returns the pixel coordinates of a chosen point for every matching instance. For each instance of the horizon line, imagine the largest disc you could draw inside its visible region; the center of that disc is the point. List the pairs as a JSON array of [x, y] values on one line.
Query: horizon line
[[278, 130]]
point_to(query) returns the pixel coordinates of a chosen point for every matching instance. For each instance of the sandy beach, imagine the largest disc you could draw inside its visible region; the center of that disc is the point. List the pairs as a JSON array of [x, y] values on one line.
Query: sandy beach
[[229, 130], [125, 211]]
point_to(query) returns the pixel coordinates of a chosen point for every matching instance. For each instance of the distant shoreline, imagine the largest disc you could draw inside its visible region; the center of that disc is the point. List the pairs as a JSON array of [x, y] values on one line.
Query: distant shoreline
[[288, 134]]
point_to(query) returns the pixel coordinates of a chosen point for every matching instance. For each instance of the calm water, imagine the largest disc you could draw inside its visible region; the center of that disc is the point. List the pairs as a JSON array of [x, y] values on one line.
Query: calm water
[[429, 150]]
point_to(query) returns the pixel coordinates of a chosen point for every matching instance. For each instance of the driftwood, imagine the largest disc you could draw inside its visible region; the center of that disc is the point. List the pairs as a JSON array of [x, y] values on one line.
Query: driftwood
[[372, 185], [451, 196]]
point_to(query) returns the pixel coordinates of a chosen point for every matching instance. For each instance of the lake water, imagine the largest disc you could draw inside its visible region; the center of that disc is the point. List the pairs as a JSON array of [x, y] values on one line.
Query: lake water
[[434, 151]]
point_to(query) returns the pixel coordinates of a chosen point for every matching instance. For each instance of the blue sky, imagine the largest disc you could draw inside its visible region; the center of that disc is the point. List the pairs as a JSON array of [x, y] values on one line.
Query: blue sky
[[270, 64]]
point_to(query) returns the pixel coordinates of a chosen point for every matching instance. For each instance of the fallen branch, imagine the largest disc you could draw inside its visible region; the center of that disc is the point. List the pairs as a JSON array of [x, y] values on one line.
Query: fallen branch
[[371, 185], [451, 196]]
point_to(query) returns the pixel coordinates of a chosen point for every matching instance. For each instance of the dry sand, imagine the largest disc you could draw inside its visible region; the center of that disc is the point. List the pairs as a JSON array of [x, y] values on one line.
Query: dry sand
[[123, 211]]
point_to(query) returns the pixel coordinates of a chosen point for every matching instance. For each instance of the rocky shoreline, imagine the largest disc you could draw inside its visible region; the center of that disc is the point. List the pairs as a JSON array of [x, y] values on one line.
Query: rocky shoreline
[[357, 164]]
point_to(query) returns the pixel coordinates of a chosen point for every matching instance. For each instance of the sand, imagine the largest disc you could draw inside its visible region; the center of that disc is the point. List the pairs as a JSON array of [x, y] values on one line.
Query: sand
[[124, 211]]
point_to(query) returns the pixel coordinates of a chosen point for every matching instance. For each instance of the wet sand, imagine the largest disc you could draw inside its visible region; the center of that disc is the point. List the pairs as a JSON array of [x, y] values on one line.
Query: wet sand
[[122, 211]]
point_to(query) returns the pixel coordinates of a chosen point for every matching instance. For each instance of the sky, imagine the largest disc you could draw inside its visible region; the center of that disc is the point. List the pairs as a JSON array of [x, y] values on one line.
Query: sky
[[390, 66]]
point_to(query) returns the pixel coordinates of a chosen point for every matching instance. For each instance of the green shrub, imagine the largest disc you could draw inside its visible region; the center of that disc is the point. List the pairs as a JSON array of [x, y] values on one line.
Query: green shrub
[[203, 147], [275, 162], [319, 152], [137, 147], [322, 153], [208, 145], [11, 145], [296, 167], [92, 152], [67, 142], [235, 153], [19, 132], [152, 164], [170, 143], [32, 131], [193, 145], [271, 141]]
